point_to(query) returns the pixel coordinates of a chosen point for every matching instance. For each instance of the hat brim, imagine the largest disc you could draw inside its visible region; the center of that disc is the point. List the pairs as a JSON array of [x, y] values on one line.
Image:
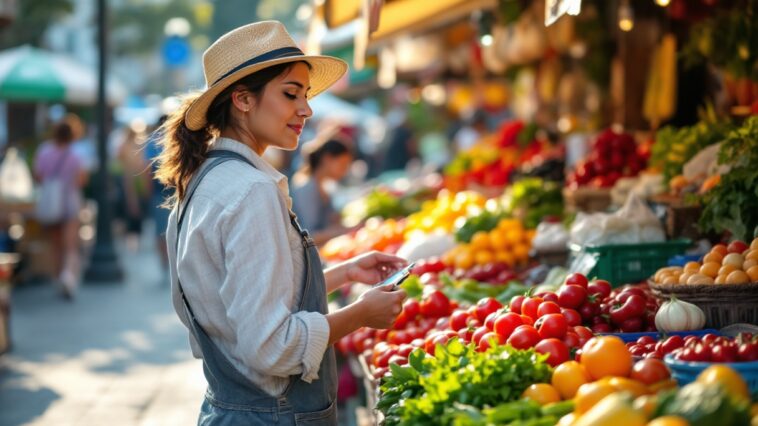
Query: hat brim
[[324, 71]]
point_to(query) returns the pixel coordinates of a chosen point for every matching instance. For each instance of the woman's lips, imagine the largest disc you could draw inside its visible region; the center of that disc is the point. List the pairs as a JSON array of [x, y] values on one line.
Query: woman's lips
[[296, 129]]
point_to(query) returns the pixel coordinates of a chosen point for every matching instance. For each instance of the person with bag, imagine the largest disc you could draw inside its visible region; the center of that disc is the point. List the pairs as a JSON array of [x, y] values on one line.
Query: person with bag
[[246, 279], [61, 177]]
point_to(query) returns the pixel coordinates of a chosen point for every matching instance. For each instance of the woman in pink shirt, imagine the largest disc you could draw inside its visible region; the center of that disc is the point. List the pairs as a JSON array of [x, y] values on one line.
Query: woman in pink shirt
[[56, 159]]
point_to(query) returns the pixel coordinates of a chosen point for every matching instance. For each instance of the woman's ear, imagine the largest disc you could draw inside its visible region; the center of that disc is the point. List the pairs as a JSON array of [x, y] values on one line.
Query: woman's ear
[[243, 99]]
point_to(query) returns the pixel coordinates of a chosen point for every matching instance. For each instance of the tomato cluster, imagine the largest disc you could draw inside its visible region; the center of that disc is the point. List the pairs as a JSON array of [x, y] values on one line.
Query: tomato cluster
[[708, 348], [596, 305], [614, 155]]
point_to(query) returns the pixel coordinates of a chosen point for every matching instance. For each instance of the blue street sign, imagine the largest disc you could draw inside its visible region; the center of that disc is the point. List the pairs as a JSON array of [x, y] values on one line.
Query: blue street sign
[[176, 51]]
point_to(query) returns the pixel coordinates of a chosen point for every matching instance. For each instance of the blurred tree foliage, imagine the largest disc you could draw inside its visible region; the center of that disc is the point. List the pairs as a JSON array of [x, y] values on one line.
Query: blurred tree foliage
[[32, 18]]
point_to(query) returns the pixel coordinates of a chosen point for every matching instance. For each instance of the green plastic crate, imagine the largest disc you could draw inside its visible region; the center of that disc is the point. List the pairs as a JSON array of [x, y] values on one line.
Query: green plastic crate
[[625, 263]]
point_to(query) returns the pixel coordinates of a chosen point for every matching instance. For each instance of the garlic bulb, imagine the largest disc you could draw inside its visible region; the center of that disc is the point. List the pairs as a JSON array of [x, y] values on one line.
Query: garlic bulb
[[678, 315]]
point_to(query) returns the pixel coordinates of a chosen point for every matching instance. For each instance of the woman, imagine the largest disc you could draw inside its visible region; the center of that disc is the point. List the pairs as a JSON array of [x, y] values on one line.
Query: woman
[[247, 280], [324, 161], [57, 160]]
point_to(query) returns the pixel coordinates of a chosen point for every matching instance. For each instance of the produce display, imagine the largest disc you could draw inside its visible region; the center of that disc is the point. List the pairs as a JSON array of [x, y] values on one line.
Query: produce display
[[706, 348], [534, 199], [613, 156], [509, 243], [376, 234], [736, 263], [442, 213], [386, 204]]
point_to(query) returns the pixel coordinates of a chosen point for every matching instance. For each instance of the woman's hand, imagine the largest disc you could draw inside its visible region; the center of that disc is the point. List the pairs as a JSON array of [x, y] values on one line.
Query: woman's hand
[[372, 267], [380, 306]]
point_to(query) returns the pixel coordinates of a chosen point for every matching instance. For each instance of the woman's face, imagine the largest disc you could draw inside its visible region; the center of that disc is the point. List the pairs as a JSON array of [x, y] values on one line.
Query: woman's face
[[278, 115]]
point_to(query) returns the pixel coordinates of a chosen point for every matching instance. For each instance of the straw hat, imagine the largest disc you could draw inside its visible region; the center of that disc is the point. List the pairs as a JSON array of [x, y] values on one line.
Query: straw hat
[[251, 48]]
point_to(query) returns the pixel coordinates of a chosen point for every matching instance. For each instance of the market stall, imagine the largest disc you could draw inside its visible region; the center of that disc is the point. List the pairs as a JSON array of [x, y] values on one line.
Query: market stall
[[590, 256]]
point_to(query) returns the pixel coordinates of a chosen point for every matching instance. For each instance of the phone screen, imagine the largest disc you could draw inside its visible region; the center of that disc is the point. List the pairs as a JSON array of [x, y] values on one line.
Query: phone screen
[[398, 277]]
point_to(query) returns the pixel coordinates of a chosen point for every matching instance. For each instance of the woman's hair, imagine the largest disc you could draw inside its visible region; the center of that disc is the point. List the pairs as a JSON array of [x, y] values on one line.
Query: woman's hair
[[314, 156], [184, 150]]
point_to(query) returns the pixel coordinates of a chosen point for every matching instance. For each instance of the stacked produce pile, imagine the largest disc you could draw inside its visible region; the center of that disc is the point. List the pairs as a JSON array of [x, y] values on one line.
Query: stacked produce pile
[[736, 263], [613, 156]]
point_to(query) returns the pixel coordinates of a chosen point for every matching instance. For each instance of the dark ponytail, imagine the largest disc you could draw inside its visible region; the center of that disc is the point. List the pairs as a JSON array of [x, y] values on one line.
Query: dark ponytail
[[184, 150]]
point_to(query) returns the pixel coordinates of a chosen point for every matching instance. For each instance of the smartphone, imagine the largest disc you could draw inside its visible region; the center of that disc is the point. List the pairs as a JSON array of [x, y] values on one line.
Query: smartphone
[[397, 278]]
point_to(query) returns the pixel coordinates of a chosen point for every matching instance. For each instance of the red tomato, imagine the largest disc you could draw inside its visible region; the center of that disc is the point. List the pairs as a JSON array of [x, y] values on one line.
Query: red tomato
[[525, 336], [466, 334], [488, 339], [552, 325], [527, 320], [411, 308], [505, 324], [646, 340], [724, 353], [736, 247], [602, 328], [516, 302], [748, 351], [549, 296], [572, 317], [571, 296], [577, 279], [490, 321], [486, 306], [601, 287], [709, 339], [589, 310], [650, 371], [435, 305], [433, 340], [548, 308], [572, 340], [557, 351], [478, 333], [458, 320], [530, 306], [583, 332]]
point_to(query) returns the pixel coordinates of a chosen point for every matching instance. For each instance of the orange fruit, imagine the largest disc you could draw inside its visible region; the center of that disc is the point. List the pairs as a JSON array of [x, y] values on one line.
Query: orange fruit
[[735, 259], [737, 277], [754, 244], [692, 267], [726, 269], [710, 269], [729, 379], [521, 252], [670, 280], [505, 257], [464, 259], [752, 273], [625, 384], [605, 356], [483, 257], [699, 279], [721, 279], [480, 241], [541, 393], [720, 248], [670, 420], [713, 257], [590, 394], [568, 377], [684, 277], [752, 254], [498, 240], [514, 236], [749, 263]]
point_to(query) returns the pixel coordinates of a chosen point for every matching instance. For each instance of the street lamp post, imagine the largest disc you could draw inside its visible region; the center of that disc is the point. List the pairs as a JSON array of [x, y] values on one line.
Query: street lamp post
[[103, 266]]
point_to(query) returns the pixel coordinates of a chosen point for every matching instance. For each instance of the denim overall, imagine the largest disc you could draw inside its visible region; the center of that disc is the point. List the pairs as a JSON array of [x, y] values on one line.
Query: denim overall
[[231, 398]]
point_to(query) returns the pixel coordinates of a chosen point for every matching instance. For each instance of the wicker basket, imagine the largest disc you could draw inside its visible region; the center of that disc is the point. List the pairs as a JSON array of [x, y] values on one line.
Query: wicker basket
[[723, 304]]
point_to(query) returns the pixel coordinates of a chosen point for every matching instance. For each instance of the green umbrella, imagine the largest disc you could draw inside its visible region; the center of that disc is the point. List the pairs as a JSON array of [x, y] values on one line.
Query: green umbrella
[[34, 75]]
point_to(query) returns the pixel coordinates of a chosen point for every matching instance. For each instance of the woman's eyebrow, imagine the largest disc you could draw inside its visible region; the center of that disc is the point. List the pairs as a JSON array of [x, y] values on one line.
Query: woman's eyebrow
[[296, 83]]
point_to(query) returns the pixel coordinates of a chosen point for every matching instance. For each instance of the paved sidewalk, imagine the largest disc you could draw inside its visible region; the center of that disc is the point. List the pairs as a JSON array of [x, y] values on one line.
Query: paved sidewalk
[[116, 355]]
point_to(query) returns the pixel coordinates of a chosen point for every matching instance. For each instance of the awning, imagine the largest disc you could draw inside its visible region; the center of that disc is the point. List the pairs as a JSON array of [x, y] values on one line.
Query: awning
[[404, 15], [35, 75]]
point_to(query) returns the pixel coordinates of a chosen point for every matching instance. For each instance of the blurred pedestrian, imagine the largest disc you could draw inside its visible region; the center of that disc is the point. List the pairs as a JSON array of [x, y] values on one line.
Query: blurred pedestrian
[[402, 147], [135, 182], [252, 290], [55, 161], [158, 192], [325, 162]]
